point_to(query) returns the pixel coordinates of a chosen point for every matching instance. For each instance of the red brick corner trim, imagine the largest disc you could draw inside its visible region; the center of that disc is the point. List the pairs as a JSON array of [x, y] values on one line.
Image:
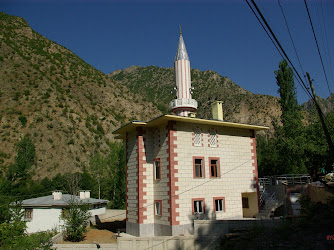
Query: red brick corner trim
[[141, 208], [172, 180], [127, 181], [255, 171]]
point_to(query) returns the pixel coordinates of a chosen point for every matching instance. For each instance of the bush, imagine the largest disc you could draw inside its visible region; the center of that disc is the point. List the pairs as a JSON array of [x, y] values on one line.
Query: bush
[[23, 120], [76, 222]]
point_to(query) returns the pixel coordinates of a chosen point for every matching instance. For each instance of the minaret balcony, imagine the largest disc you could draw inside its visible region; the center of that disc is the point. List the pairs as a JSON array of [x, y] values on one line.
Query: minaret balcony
[[183, 103]]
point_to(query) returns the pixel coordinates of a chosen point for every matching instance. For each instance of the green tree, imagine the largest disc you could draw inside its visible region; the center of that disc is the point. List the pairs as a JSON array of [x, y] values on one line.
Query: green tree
[[98, 165], [12, 225], [291, 112], [76, 221], [24, 159]]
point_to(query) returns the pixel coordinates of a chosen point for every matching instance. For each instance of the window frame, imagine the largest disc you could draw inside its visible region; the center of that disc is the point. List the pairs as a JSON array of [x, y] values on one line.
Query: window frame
[[30, 213], [155, 169], [218, 167], [200, 137], [155, 208], [214, 204], [215, 138], [203, 167], [193, 205]]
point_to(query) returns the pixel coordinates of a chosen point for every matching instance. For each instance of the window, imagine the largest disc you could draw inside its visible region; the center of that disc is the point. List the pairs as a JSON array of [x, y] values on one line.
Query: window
[[198, 206], [213, 138], [158, 208], [214, 167], [198, 167], [245, 203], [157, 169], [197, 137], [219, 204], [28, 214]]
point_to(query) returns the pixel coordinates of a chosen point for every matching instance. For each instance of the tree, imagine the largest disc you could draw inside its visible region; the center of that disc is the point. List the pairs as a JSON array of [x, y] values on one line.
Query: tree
[[76, 221], [12, 225], [24, 159], [97, 165], [291, 112]]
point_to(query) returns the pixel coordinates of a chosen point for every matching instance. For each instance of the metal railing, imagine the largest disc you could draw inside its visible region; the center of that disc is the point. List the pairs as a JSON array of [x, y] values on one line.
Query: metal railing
[[287, 179], [183, 103]]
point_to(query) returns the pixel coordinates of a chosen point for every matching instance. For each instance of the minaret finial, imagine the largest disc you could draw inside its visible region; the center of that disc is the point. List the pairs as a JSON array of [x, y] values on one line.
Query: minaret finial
[[180, 30]]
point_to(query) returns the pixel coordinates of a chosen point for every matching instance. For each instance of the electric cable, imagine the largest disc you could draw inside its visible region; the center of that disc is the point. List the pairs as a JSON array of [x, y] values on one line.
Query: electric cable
[[316, 41]]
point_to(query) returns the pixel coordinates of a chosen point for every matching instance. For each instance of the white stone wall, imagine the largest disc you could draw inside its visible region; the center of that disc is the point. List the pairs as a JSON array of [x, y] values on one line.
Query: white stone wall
[[132, 178], [148, 166], [236, 169], [44, 219], [161, 187], [97, 211]]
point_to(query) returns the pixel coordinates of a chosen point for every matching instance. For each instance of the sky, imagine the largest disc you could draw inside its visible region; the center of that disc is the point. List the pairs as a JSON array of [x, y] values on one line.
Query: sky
[[223, 36]]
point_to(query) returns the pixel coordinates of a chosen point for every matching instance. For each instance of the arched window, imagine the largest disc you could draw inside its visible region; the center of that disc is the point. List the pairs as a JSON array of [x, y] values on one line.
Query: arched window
[[197, 137], [213, 138]]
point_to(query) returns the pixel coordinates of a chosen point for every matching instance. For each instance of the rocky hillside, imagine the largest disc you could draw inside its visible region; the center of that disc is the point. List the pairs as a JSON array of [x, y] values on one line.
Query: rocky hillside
[[68, 108], [156, 84]]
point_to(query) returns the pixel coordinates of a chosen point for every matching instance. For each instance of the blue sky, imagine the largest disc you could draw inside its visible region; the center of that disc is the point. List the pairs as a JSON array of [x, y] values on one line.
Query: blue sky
[[223, 36]]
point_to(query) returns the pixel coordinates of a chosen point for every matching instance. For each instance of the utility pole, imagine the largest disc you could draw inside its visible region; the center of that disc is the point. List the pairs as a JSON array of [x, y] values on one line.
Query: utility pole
[[324, 127]]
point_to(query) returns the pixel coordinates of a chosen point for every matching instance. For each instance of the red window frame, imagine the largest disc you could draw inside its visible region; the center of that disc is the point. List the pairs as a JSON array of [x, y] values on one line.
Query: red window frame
[[198, 199], [218, 167], [203, 167], [214, 203], [160, 202], [154, 169]]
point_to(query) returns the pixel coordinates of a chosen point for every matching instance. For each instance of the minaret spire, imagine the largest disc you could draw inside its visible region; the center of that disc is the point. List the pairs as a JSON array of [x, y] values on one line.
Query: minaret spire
[[183, 105]]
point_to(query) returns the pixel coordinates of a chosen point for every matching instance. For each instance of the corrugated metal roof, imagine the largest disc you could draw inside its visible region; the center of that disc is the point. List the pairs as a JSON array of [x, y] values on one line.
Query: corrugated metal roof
[[48, 201]]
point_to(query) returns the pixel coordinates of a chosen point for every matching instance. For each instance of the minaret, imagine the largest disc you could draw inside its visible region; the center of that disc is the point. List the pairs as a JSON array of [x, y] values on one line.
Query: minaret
[[183, 104]]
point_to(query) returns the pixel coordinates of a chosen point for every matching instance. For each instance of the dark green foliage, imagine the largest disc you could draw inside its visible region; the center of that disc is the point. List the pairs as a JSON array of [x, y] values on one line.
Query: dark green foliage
[[295, 149], [76, 222], [23, 120], [291, 111], [12, 225], [24, 159]]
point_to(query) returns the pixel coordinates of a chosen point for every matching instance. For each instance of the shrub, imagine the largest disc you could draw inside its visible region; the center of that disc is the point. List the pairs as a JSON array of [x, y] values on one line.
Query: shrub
[[23, 120], [76, 222]]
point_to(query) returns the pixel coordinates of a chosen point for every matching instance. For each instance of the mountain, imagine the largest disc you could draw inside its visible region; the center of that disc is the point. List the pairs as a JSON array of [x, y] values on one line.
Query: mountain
[[156, 84], [68, 108]]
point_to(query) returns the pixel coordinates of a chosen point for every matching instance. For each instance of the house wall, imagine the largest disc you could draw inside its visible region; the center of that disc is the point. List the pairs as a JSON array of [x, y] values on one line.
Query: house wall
[[98, 211], [236, 151], [252, 210], [44, 219]]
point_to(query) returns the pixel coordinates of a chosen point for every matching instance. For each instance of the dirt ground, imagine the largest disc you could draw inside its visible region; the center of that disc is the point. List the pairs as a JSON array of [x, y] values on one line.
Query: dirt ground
[[95, 236]]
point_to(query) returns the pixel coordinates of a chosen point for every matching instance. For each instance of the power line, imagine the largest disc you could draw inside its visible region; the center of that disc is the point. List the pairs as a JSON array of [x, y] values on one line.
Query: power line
[[316, 41], [300, 80], [326, 40], [287, 26], [265, 30]]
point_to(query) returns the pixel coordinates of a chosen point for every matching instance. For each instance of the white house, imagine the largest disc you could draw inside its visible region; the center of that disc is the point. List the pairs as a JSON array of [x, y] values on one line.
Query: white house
[[180, 168], [46, 213]]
